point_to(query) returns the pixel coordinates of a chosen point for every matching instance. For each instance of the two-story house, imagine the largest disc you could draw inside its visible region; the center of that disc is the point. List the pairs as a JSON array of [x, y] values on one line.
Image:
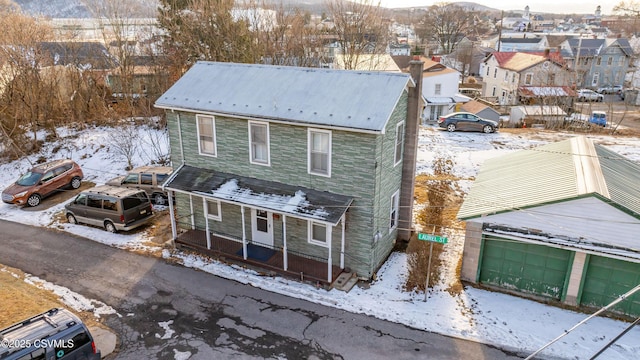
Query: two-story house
[[600, 62], [440, 90], [506, 73], [303, 171]]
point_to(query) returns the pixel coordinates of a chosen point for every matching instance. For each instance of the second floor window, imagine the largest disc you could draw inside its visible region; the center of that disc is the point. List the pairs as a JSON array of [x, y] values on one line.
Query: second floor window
[[610, 60], [259, 143], [438, 89], [319, 156], [399, 143], [598, 61], [495, 73], [206, 135], [506, 76], [528, 79]]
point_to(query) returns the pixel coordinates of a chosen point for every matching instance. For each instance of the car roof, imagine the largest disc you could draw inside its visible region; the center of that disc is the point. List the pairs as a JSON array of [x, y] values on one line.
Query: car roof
[[152, 169], [116, 191], [41, 326], [50, 165]]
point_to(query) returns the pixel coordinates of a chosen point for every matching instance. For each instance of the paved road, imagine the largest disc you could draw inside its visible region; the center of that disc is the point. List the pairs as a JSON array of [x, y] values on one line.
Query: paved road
[[213, 318]]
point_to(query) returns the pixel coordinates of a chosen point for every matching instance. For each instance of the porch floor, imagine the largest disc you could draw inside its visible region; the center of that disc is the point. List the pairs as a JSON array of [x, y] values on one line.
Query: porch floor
[[300, 266]]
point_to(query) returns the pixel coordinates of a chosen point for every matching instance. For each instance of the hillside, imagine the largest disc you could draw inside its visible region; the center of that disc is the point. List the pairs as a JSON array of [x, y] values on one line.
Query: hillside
[[83, 8]]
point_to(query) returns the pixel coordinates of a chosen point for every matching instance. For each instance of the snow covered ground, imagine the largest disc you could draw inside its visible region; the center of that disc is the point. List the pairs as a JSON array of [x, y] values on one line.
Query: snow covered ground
[[505, 321]]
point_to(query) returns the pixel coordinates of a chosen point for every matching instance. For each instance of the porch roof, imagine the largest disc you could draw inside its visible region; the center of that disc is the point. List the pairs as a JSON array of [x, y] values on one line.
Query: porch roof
[[270, 195]]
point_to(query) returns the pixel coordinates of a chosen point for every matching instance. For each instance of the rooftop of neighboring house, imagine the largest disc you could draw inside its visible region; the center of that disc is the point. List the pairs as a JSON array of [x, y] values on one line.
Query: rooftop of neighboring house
[[434, 68], [474, 107], [367, 62], [515, 40], [87, 54], [518, 61], [347, 99]]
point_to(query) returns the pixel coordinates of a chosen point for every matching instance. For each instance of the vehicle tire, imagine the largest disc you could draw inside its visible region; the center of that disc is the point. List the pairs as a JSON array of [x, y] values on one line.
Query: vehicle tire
[[159, 199], [75, 182], [487, 129], [108, 225], [71, 219], [34, 200], [451, 127]]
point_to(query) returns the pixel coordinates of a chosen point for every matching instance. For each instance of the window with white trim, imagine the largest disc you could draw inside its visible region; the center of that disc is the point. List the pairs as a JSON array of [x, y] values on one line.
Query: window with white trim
[[259, 143], [206, 127], [438, 89], [393, 214], [399, 143], [528, 79], [319, 233], [213, 210], [319, 152]]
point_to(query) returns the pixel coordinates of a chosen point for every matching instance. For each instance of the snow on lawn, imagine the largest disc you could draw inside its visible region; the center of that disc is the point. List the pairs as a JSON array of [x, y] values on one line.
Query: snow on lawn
[[506, 321]]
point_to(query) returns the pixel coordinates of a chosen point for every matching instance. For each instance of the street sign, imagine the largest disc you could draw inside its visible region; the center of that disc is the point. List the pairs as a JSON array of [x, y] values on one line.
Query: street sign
[[432, 238]]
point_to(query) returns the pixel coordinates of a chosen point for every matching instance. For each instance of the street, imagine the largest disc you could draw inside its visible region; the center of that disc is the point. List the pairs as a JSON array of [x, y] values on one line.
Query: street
[[168, 311]]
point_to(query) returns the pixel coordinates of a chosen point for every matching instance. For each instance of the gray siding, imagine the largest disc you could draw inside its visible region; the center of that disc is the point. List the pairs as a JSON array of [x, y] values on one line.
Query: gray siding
[[361, 167]]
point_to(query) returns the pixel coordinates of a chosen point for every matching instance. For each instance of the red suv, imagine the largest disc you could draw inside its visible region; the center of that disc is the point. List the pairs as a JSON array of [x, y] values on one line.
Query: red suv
[[42, 181]]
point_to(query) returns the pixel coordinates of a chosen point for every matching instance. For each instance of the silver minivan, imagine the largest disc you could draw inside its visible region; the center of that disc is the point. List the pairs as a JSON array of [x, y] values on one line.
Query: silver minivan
[[114, 208]]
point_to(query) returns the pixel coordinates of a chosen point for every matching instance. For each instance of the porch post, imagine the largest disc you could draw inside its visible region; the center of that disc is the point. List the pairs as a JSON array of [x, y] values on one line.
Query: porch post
[[244, 235], [172, 216], [329, 260], [342, 244], [206, 221], [285, 259], [193, 217]]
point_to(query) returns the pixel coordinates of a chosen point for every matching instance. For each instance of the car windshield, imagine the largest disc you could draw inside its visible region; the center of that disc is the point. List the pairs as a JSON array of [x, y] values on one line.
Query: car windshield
[[29, 179]]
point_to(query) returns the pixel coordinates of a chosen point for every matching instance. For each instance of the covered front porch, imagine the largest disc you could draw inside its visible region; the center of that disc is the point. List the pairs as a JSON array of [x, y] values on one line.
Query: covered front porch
[[299, 266], [287, 229]]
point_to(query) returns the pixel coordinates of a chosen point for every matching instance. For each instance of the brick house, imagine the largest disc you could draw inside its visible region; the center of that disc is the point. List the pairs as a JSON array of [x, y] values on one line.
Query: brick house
[[295, 170]]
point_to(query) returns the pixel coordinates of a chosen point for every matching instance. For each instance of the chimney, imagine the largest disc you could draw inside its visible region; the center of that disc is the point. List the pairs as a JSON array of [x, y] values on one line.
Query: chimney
[[412, 122], [546, 52]]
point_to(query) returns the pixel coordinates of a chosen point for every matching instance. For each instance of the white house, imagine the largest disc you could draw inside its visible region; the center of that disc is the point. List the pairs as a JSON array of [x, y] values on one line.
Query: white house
[[440, 90]]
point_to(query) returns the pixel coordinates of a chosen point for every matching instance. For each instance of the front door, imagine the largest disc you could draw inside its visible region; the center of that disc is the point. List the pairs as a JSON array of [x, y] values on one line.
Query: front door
[[262, 227]]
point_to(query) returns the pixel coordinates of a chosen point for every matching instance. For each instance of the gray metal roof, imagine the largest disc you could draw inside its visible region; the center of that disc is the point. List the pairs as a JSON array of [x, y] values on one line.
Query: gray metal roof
[[281, 198], [554, 172], [361, 100]]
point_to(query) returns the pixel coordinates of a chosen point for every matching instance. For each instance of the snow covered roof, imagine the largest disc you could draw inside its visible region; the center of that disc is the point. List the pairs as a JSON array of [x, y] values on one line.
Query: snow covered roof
[[559, 171], [358, 100], [278, 197], [546, 91]]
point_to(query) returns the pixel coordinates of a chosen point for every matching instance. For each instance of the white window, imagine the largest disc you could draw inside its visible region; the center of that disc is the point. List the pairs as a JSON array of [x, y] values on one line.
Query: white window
[[393, 214], [438, 89], [506, 76], [259, 143], [399, 143], [528, 79], [319, 234], [596, 79], [319, 152], [206, 135], [213, 210], [513, 78]]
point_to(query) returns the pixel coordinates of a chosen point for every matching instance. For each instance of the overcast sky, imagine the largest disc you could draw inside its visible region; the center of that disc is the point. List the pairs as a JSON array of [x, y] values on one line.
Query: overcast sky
[[561, 7]]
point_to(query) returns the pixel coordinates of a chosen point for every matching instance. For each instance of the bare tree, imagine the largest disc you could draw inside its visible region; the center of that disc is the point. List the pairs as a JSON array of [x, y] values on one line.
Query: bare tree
[[360, 28], [205, 30], [125, 141], [447, 24]]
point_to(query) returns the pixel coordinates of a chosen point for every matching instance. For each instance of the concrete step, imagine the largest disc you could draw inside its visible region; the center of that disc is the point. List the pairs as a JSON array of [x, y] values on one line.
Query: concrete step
[[345, 281]]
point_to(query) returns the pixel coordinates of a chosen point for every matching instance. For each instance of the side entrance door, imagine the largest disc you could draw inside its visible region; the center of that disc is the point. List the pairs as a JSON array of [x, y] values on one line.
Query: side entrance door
[[262, 227]]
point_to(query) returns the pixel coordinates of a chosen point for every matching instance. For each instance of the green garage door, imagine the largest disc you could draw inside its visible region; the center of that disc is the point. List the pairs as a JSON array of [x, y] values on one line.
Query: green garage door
[[606, 279], [529, 268]]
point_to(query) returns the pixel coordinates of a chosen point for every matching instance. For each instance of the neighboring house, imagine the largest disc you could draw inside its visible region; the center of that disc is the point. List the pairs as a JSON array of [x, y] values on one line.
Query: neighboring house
[[440, 90], [503, 73], [600, 62], [527, 115], [514, 44], [483, 110], [301, 171], [366, 62], [146, 78], [395, 49], [466, 58], [557, 222]]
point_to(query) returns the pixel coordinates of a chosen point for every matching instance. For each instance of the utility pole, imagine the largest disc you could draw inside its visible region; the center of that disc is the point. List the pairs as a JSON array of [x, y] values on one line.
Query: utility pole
[[578, 61], [500, 30]]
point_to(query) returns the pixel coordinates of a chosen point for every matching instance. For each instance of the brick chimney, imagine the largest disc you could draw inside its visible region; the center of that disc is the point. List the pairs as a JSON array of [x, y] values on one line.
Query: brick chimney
[[414, 110]]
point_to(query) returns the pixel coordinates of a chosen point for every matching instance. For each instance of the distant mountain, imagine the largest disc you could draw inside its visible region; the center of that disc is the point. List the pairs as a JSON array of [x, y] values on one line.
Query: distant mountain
[[83, 8]]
